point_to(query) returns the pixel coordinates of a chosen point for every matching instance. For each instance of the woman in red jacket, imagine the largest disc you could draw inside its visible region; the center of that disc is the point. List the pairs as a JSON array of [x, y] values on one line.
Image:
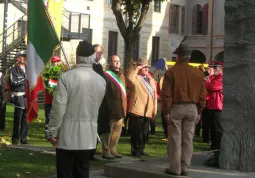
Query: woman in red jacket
[[214, 86]]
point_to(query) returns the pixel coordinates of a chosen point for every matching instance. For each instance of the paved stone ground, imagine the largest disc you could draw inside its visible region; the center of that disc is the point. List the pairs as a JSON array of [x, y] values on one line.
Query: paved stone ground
[[128, 167], [154, 168]]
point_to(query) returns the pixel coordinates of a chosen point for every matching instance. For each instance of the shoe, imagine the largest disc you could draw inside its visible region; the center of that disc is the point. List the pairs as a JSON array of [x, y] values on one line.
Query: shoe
[[136, 155], [24, 142], [117, 155], [167, 171], [184, 174], [93, 158], [108, 156], [16, 142], [144, 154]]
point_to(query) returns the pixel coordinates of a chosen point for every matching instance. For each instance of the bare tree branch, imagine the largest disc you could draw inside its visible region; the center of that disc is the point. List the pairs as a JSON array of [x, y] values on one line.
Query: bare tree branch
[[116, 4], [144, 10]]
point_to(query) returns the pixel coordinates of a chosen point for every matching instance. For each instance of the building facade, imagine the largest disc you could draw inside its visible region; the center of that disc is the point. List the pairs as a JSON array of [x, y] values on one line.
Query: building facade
[[166, 25], [97, 16], [202, 23]]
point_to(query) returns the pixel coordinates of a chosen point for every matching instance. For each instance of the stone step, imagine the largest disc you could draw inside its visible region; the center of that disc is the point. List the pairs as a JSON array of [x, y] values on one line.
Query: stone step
[[154, 168]]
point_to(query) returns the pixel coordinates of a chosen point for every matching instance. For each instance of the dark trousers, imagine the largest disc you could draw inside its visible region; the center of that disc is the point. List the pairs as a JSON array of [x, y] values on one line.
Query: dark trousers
[[47, 108], [205, 125], [153, 126], [93, 152], [2, 115], [125, 130], [20, 117], [215, 128], [139, 129], [198, 128], [72, 163], [164, 123]]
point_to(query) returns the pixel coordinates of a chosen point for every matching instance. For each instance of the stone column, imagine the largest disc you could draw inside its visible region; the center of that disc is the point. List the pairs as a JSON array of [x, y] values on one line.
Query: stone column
[[210, 30], [238, 117]]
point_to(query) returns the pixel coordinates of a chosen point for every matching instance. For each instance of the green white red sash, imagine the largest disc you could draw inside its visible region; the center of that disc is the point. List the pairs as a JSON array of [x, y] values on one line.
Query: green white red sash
[[116, 80], [52, 83]]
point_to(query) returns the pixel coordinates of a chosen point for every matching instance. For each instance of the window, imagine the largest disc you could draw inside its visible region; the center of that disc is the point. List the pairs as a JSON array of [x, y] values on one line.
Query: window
[[183, 20], [205, 20], [174, 19], [197, 20], [87, 34], [136, 48], [155, 50], [112, 43], [157, 6]]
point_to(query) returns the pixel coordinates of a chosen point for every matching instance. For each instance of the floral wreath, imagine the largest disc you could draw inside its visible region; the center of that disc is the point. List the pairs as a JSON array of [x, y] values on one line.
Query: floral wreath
[[51, 75]]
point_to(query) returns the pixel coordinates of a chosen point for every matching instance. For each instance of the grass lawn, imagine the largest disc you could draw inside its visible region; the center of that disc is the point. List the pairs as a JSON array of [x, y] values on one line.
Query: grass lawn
[[18, 163]]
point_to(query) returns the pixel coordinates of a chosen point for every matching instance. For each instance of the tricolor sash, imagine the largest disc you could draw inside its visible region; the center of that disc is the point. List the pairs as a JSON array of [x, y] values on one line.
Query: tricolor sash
[[147, 86], [116, 80]]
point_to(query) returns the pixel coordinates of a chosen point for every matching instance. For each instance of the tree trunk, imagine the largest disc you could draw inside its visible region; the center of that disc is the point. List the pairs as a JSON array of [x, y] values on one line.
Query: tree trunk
[[238, 116], [128, 53]]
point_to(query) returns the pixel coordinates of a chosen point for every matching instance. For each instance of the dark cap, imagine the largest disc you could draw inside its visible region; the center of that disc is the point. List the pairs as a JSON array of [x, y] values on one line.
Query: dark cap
[[85, 49], [21, 53], [215, 64], [183, 50]]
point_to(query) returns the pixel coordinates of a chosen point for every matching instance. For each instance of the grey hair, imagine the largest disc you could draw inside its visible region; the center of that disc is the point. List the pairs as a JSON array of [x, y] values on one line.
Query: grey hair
[[87, 60]]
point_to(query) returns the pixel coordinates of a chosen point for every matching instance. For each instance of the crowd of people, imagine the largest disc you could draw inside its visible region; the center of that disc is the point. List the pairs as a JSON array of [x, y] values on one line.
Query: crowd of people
[[89, 101]]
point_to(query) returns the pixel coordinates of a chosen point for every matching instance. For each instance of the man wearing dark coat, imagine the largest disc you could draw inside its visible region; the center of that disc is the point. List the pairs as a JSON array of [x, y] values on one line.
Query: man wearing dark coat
[[16, 80], [116, 104], [103, 121]]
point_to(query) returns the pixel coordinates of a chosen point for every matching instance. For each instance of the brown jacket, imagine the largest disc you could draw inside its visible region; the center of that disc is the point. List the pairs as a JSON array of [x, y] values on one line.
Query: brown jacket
[[117, 102], [141, 102], [183, 84]]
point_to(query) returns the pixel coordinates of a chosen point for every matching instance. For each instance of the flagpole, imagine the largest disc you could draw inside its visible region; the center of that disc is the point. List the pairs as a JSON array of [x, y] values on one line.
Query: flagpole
[[60, 44]]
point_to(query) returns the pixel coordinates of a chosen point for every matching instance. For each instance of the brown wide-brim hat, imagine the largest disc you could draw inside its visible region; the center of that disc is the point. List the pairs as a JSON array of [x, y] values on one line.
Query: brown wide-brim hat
[[183, 50], [142, 61]]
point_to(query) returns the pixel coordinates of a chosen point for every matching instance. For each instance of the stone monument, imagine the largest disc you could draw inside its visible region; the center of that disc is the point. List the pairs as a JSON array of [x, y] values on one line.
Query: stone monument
[[238, 116]]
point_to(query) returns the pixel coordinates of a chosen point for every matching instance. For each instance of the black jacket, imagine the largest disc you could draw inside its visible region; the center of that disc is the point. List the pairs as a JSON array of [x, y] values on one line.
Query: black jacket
[[103, 116], [17, 79]]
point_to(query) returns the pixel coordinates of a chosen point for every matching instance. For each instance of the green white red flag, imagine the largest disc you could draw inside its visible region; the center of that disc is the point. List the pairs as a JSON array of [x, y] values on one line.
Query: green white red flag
[[42, 41]]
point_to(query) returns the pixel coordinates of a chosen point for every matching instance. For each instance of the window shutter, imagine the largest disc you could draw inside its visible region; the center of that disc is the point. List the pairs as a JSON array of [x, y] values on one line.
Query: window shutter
[[170, 28], [205, 20], [183, 20], [194, 20]]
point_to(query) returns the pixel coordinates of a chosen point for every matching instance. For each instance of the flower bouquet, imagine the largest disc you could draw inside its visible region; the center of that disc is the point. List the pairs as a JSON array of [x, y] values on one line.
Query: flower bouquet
[[51, 75]]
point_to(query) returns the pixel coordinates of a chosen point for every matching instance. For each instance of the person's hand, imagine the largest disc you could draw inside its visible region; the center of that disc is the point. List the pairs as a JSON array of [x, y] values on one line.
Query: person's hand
[[210, 71], [198, 118], [53, 140], [140, 67], [167, 117]]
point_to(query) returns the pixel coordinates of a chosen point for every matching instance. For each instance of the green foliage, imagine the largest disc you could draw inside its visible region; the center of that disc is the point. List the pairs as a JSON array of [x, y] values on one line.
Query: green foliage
[[51, 72], [134, 7]]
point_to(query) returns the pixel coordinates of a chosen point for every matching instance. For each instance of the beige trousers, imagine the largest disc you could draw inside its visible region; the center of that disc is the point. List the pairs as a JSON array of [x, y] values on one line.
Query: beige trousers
[[180, 136], [110, 141]]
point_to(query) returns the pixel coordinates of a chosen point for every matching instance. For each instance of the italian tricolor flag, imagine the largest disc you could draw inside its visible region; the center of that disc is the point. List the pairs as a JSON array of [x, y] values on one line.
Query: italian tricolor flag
[[42, 41]]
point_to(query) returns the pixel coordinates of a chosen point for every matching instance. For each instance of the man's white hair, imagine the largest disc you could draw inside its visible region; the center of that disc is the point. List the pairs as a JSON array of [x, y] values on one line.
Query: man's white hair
[[87, 60]]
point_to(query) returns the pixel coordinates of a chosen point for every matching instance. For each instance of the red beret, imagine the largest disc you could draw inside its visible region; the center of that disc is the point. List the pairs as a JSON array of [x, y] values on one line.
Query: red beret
[[215, 64], [55, 59]]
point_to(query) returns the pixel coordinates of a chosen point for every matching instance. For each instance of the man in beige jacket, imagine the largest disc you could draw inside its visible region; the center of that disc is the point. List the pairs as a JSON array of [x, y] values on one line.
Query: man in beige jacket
[[143, 106]]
